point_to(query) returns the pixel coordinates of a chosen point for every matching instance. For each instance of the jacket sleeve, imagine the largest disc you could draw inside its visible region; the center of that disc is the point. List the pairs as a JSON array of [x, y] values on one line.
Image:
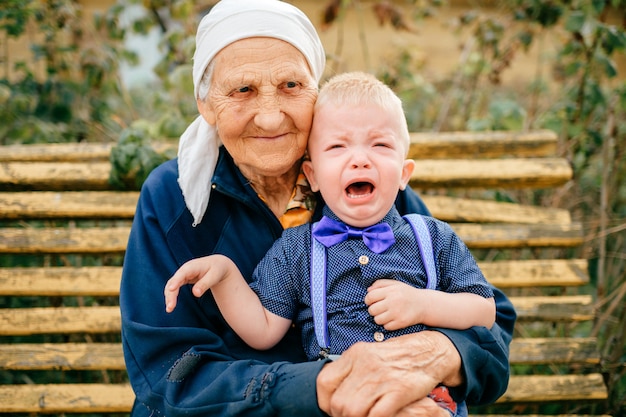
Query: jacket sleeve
[[187, 362], [485, 355], [484, 352]]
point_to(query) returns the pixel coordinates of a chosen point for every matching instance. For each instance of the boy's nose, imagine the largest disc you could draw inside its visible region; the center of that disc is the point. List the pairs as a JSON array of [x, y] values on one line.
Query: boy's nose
[[360, 160]]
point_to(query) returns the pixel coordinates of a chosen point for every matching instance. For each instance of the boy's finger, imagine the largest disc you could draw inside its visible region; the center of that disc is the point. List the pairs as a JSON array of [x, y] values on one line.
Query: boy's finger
[[372, 296], [381, 283], [200, 287], [171, 295], [188, 273]]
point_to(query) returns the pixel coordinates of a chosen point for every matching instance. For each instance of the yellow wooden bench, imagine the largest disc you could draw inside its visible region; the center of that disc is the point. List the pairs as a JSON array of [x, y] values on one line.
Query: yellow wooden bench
[[63, 232]]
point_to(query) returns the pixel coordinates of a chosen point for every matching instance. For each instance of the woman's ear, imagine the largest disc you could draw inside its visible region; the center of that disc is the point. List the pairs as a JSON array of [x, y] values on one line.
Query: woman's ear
[[307, 168], [407, 170], [206, 110]]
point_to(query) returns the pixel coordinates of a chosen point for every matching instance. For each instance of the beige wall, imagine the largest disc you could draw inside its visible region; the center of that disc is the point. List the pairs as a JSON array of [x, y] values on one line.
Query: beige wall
[[367, 46], [433, 44]]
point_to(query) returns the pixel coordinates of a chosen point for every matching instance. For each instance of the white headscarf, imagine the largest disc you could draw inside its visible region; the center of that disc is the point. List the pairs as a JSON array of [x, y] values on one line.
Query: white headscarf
[[227, 22]]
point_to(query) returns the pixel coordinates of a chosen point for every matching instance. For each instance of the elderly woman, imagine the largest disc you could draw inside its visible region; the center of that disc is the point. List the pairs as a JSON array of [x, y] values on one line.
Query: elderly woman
[[234, 187]]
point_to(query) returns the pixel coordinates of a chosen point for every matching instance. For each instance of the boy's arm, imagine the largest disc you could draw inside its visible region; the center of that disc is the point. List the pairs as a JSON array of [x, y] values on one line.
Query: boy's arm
[[242, 309], [237, 302], [397, 305], [458, 310]]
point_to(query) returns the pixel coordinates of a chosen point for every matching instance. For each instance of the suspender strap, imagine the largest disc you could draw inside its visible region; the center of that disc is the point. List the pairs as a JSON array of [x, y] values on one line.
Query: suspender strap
[[318, 274], [426, 248], [318, 291]]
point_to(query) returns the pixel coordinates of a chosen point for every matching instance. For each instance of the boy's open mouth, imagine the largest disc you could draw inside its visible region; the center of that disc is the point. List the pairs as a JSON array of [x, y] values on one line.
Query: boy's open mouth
[[359, 189]]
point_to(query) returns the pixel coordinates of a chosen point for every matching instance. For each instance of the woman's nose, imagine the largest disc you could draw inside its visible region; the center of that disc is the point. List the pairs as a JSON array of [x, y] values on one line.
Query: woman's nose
[[269, 115]]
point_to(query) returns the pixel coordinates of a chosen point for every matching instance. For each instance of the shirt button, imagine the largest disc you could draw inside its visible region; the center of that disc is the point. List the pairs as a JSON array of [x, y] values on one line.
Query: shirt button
[[364, 260], [379, 336]]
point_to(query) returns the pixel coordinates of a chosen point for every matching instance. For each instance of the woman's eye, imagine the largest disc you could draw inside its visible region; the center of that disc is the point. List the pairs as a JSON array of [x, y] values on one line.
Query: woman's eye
[[291, 84], [241, 92]]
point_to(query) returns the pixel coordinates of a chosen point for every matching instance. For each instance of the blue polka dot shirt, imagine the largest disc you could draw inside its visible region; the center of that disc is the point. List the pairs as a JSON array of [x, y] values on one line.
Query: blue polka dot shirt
[[282, 279]]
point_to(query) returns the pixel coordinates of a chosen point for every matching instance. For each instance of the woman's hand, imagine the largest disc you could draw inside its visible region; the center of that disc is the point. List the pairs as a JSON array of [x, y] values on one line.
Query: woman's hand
[[382, 379]]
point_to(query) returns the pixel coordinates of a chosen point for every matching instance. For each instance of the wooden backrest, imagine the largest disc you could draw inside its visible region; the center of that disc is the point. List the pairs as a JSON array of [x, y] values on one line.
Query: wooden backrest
[[63, 232]]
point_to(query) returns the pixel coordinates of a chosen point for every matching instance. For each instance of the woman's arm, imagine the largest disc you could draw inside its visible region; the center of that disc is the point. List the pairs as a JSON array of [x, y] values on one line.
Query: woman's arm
[[484, 355], [189, 362]]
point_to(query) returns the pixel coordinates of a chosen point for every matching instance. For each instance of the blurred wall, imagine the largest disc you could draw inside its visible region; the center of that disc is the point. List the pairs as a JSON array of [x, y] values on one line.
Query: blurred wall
[[359, 42]]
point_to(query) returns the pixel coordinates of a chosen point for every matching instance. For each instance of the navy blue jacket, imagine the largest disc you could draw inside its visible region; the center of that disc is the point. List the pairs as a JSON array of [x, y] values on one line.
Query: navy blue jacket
[[190, 362]]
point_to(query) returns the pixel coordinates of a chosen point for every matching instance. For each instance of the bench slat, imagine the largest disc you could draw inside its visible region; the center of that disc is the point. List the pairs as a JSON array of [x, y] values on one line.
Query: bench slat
[[451, 209], [551, 388], [114, 239], [554, 309], [105, 280], [59, 320], [109, 356], [56, 152], [61, 281], [61, 398], [536, 273], [423, 145], [554, 350], [106, 319], [119, 397], [55, 175], [113, 205], [68, 204], [519, 235], [442, 145], [62, 356], [489, 173], [64, 240]]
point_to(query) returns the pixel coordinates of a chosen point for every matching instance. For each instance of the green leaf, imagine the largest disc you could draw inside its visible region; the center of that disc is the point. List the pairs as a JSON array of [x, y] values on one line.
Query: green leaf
[[546, 13], [613, 39], [133, 158], [526, 38], [572, 68], [575, 21], [507, 114], [598, 5], [607, 64]]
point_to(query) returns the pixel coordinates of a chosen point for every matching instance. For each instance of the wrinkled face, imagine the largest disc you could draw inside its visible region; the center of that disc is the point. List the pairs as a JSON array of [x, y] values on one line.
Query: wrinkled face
[[357, 162], [261, 100]]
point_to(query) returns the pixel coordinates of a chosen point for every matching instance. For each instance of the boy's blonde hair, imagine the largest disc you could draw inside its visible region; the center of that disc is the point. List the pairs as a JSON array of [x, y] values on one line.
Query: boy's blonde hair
[[358, 88]]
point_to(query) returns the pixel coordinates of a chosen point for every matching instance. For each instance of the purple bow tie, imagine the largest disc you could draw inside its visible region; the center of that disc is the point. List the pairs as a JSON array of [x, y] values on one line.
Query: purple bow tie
[[378, 237]]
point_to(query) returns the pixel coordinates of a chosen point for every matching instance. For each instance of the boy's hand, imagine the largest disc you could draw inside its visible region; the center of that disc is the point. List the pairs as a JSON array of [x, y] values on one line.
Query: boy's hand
[[394, 304], [203, 272]]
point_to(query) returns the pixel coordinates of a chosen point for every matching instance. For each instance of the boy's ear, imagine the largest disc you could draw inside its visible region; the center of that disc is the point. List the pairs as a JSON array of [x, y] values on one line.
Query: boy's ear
[[407, 170], [307, 168]]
